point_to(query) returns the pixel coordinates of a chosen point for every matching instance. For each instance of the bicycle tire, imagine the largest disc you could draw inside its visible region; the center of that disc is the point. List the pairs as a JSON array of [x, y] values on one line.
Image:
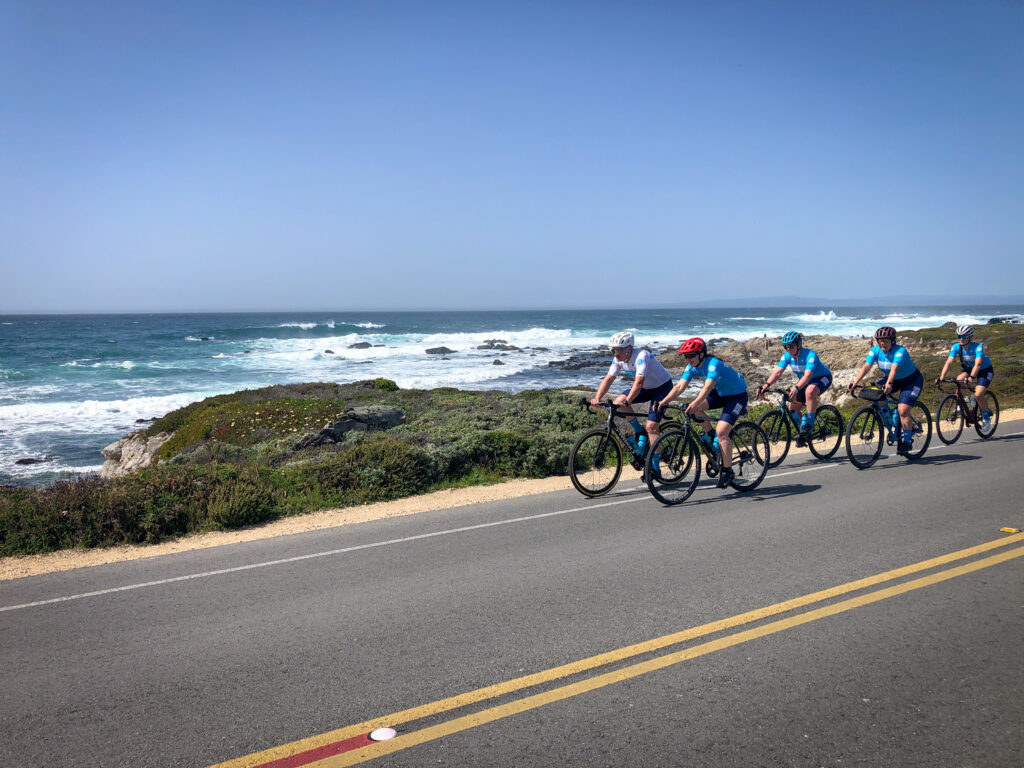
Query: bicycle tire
[[666, 426], [595, 463], [922, 438], [751, 456], [680, 467], [864, 429], [949, 420], [827, 432], [993, 406], [779, 431]]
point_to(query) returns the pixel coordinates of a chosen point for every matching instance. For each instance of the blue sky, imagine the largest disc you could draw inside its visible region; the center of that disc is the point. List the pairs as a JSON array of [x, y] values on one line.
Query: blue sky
[[406, 155]]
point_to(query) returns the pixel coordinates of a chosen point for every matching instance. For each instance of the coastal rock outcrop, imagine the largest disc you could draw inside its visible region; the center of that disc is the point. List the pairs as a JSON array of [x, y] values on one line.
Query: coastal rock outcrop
[[131, 453], [499, 344], [368, 418], [440, 351]]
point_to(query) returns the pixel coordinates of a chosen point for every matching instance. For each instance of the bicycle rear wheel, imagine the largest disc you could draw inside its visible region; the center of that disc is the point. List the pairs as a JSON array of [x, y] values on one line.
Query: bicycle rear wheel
[[827, 432], [921, 434], [751, 456], [949, 421], [864, 436], [993, 406], [680, 467], [779, 432], [595, 463]]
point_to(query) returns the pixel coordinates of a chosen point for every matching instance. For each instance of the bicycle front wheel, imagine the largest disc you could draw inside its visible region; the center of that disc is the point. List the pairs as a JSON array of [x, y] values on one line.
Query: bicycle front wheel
[[751, 456], [595, 463], [680, 467], [921, 432], [949, 421], [993, 405], [827, 432], [779, 432], [864, 436]]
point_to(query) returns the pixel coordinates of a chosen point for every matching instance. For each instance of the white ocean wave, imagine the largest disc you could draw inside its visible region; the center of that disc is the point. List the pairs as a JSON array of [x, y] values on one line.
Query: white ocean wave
[[368, 325], [818, 317], [125, 364], [303, 326], [90, 416]]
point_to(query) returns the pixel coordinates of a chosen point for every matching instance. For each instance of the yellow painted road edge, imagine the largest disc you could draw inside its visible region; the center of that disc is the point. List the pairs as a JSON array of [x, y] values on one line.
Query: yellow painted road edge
[[565, 670]]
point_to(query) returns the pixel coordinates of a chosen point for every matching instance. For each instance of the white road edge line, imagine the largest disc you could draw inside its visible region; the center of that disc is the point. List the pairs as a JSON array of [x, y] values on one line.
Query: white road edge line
[[373, 545]]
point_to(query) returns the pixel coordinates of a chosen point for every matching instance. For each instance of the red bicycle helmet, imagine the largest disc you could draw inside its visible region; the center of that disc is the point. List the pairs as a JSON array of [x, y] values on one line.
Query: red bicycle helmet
[[692, 346], [886, 332]]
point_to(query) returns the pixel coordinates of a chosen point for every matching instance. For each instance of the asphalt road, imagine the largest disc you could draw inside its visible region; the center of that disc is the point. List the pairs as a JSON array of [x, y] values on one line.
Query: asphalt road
[[197, 658]]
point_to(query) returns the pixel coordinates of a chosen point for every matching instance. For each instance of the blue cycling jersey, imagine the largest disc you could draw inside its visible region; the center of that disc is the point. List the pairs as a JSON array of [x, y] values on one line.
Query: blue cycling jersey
[[727, 381], [898, 356], [804, 360], [971, 352]]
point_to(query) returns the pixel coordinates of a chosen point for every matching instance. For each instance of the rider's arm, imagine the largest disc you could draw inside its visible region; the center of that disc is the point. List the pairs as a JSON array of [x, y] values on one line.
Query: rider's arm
[[606, 383], [945, 368], [897, 360], [673, 393], [634, 391], [698, 401], [979, 355], [863, 371]]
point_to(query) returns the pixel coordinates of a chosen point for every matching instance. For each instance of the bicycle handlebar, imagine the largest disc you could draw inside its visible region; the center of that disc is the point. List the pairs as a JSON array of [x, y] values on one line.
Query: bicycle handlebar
[[584, 403], [888, 396]]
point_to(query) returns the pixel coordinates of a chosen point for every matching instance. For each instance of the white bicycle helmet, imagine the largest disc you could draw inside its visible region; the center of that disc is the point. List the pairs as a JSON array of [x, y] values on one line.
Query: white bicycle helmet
[[965, 331], [621, 339]]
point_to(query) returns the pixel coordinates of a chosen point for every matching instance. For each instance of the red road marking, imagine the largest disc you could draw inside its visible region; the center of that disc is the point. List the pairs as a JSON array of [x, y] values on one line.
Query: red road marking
[[319, 753]]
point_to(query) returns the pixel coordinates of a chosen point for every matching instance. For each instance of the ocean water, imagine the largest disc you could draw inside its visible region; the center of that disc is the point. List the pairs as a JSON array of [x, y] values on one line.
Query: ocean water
[[71, 384]]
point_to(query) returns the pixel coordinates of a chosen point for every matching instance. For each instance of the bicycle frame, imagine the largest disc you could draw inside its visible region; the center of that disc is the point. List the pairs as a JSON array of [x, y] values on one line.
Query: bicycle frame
[[890, 419], [692, 424], [966, 408], [793, 415], [636, 459]]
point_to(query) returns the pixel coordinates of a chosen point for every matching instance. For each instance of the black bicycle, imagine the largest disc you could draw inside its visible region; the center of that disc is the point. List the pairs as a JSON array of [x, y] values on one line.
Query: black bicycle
[[780, 424], [956, 409], [595, 462], [680, 450], [880, 422]]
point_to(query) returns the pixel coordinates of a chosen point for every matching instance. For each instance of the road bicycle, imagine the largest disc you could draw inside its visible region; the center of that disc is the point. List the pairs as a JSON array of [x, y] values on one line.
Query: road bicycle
[[780, 424], [686, 447], [879, 422], [956, 409], [595, 462]]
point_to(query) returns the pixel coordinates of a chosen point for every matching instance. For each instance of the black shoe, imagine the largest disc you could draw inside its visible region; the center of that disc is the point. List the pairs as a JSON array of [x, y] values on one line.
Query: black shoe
[[801, 440], [725, 476], [902, 449]]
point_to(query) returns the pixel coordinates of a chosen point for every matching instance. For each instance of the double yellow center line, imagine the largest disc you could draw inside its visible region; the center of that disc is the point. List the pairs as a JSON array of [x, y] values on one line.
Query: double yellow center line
[[429, 733]]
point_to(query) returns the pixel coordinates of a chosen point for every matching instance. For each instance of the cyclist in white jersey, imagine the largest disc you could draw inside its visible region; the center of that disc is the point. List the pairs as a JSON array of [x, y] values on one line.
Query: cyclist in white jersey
[[650, 383]]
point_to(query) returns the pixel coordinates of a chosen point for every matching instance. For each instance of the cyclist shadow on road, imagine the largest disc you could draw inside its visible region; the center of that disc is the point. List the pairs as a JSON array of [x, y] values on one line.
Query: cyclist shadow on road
[[760, 494], [934, 460]]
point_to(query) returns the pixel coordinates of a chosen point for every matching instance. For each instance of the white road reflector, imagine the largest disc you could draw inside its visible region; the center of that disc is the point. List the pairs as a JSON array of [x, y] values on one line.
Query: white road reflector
[[383, 734]]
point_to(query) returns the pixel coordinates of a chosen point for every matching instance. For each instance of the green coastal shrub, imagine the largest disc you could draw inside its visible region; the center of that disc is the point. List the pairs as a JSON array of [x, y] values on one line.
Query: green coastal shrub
[[377, 469], [240, 498]]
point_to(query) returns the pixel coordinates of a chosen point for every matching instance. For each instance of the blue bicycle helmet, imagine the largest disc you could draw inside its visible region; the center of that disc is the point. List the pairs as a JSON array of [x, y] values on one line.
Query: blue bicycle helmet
[[792, 336]]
